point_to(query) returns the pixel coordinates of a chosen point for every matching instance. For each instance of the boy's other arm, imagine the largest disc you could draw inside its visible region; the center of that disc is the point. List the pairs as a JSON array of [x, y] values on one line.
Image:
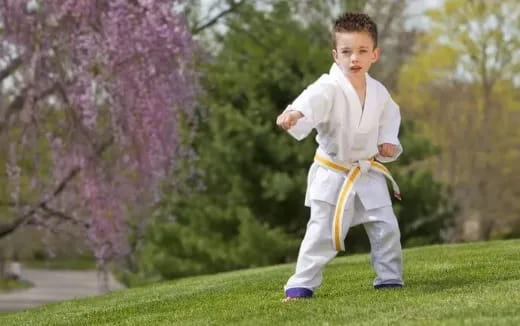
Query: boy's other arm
[[387, 149], [388, 142]]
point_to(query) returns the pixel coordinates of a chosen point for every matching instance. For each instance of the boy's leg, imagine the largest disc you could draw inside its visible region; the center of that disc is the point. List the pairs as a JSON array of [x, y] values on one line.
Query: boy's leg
[[315, 252], [386, 254]]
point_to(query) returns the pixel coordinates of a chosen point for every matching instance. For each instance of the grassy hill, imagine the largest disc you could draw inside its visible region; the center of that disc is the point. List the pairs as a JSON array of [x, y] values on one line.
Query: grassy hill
[[469, 284]]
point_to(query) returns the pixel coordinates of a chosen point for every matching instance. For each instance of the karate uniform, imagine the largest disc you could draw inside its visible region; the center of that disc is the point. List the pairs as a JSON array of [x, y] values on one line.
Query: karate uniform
[[348, 138]]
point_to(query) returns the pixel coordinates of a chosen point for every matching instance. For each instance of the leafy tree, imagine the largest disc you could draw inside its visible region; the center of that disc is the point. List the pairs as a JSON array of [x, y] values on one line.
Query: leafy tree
[[462, 89], [90, 96]]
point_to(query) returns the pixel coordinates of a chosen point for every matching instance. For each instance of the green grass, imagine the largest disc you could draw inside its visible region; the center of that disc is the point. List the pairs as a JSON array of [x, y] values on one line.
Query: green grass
[[7, 285], [470, 284], [82, 263]]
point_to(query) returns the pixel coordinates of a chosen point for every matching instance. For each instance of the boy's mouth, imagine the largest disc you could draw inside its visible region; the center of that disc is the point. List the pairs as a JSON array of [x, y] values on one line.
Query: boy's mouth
[[355, 68]]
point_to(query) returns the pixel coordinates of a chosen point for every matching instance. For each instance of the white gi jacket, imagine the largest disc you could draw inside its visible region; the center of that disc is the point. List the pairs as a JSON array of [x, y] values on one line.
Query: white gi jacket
[[347, 134]]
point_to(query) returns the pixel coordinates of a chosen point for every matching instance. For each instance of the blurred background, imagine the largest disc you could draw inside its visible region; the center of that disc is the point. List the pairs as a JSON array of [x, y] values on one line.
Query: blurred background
[[144, 145]]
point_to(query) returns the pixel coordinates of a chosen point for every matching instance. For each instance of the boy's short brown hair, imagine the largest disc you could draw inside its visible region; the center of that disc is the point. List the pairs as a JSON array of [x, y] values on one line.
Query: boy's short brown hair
[[354, 22]]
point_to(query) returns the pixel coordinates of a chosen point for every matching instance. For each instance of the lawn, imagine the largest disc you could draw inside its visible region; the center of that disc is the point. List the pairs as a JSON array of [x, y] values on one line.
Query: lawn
[[7, 285], [467, 284], [82, 263]]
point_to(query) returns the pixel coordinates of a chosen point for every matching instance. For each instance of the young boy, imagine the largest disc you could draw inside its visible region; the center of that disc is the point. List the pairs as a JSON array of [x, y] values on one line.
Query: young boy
[[357, 122]]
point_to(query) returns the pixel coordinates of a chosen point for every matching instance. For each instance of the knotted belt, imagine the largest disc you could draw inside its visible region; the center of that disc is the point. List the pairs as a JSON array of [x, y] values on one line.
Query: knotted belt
[[352, 176]]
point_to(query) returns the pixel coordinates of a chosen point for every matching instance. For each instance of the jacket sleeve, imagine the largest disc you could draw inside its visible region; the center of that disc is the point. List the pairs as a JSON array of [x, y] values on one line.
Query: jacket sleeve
[[389, 129], [315, 103]]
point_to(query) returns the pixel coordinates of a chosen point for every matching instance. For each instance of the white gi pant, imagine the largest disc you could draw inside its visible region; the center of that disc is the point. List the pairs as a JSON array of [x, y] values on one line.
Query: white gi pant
[[317, 250]]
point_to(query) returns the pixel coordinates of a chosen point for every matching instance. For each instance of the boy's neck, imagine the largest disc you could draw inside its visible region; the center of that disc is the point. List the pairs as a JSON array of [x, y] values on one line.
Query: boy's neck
[[358, 83]]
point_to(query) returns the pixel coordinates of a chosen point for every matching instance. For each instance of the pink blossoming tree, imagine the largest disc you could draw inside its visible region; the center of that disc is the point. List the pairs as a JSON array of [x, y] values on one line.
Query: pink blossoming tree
[[92, 92]]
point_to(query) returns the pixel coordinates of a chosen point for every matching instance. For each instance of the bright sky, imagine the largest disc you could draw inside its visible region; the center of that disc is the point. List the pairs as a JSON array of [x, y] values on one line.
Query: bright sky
[[415, 9]]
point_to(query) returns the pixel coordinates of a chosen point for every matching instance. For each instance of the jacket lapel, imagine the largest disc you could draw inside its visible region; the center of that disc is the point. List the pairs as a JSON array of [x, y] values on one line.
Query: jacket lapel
[[350, 94], [369, 116]]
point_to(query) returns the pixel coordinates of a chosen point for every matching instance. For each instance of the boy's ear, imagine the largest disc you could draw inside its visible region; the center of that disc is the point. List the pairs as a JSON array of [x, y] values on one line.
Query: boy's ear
[[335, 55], [375, 54]]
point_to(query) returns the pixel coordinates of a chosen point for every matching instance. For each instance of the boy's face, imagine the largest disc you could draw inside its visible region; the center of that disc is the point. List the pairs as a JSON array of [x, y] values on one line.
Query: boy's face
[[354, 53]]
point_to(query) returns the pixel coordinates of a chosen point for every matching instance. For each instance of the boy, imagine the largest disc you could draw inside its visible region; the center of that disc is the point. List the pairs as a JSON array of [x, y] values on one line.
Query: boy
[[357, 121]]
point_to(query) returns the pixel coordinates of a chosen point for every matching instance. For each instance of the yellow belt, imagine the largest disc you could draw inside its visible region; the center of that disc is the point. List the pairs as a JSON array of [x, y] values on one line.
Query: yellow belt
[[346, 189]]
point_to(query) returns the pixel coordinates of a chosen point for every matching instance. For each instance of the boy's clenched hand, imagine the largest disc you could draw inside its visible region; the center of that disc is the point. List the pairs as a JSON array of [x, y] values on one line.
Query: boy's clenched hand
[[288, 119], [387, 150]]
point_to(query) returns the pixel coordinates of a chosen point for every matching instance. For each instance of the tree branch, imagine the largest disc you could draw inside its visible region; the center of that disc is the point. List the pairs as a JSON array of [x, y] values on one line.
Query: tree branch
[[63, 216], [6, 229], [47, 227], [13, 65], [199, 28], [18, 103]]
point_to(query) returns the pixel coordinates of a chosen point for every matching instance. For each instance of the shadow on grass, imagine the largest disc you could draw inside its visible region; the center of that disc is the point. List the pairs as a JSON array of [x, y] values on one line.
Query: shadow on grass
[[455, 281]]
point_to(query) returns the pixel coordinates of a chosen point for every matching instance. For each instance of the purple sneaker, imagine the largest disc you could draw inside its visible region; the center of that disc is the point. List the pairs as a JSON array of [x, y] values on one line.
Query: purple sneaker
[[297, 293], [388, 286]]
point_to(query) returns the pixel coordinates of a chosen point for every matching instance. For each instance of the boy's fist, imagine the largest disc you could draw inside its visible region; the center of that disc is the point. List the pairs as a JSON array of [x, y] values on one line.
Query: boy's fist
[[387, 150], [288, 119]]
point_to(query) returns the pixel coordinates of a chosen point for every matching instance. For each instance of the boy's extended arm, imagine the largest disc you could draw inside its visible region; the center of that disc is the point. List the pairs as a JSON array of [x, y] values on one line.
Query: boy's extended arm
[[389, 130], [288, 119], [309, 109]]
